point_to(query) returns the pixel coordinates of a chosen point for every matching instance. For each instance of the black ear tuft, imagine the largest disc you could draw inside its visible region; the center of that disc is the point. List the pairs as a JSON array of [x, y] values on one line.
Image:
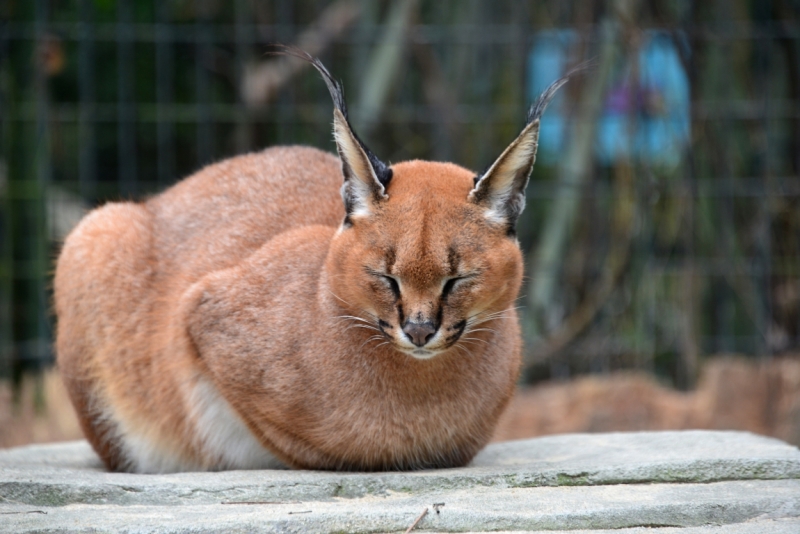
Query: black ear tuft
[[537, 108], [383, 172]]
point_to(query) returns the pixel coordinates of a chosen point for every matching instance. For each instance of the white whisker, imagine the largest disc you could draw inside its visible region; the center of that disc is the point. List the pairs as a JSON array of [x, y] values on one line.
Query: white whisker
[[468, 342], [475, 339], [471, 330], [462, 350], [369, 339], [493, 315], [485, 320], [354, 317], [367, 326]]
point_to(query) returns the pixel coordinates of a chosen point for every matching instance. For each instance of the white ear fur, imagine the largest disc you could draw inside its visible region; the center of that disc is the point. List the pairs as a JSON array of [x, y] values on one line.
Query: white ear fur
[[501, 189], [361, 186]]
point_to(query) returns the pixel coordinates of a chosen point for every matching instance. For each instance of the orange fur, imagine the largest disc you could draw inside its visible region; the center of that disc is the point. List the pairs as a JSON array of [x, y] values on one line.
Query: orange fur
[[235, 317]]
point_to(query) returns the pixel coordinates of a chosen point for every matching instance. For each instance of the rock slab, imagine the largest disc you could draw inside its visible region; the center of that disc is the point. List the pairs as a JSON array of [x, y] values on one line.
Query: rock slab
[[689, 482]]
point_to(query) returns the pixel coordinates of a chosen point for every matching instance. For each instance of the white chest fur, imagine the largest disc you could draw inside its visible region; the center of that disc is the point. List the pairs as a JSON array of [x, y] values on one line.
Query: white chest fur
[[222, 435]]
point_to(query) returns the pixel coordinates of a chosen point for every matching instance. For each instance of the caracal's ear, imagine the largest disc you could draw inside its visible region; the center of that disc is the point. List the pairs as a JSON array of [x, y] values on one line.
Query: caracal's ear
[[501, 188], [365, 176]]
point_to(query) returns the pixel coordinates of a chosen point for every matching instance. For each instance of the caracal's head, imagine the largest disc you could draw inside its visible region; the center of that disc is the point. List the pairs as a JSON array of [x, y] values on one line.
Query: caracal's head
[[426, 265], [427, 253]]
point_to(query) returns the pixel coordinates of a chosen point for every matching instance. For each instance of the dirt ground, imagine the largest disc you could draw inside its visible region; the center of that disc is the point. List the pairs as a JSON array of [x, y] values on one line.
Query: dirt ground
[[733, 393], [41, 413]]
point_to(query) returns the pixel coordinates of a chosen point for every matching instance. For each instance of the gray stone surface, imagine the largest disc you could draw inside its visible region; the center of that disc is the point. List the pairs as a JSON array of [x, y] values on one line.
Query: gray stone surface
[[688, 482]]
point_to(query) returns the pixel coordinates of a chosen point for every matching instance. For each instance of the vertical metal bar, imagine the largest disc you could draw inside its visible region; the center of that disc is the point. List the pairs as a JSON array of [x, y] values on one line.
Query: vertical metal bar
[[164, 94], [6, 257], [364, 33], [31, 328], [764, 244], [285, 100], [41, 348], [202, 47], [87, 167], [483, 63], [43, 168], [692, 346], [725, 305], [126, 126], [243, 37]]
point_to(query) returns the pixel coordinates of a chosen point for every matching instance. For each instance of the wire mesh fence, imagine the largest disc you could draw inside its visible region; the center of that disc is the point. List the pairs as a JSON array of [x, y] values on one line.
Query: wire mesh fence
[[663, 218]]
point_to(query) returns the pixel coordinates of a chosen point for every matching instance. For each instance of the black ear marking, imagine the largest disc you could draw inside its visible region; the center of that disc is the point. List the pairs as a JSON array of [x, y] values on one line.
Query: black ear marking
[[382, 172]]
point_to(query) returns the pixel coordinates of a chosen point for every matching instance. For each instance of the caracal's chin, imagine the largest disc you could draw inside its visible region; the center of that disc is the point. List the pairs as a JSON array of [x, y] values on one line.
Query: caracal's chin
[[422, 354], [425, 353]]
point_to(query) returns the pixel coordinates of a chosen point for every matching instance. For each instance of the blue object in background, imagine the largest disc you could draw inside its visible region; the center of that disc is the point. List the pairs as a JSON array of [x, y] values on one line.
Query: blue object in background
[[647, 120]]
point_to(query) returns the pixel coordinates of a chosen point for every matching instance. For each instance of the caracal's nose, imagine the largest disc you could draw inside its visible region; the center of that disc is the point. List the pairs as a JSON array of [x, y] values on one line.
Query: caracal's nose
[[419, 333]]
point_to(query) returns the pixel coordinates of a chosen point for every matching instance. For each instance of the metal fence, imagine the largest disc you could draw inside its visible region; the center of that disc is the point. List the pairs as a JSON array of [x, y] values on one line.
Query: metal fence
[[663, 221]]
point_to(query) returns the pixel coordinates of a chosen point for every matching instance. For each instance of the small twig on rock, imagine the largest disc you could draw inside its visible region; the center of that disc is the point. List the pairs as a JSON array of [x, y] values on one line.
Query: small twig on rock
[[303, 512], [416, 522], [28, 512], [436, 506]]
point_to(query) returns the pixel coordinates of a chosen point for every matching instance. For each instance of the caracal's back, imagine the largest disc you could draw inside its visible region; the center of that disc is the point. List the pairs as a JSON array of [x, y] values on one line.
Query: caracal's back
[[126, 265]]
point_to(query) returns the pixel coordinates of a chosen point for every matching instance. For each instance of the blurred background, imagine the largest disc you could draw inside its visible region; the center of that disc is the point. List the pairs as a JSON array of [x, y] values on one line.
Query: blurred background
[[662, 233]]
